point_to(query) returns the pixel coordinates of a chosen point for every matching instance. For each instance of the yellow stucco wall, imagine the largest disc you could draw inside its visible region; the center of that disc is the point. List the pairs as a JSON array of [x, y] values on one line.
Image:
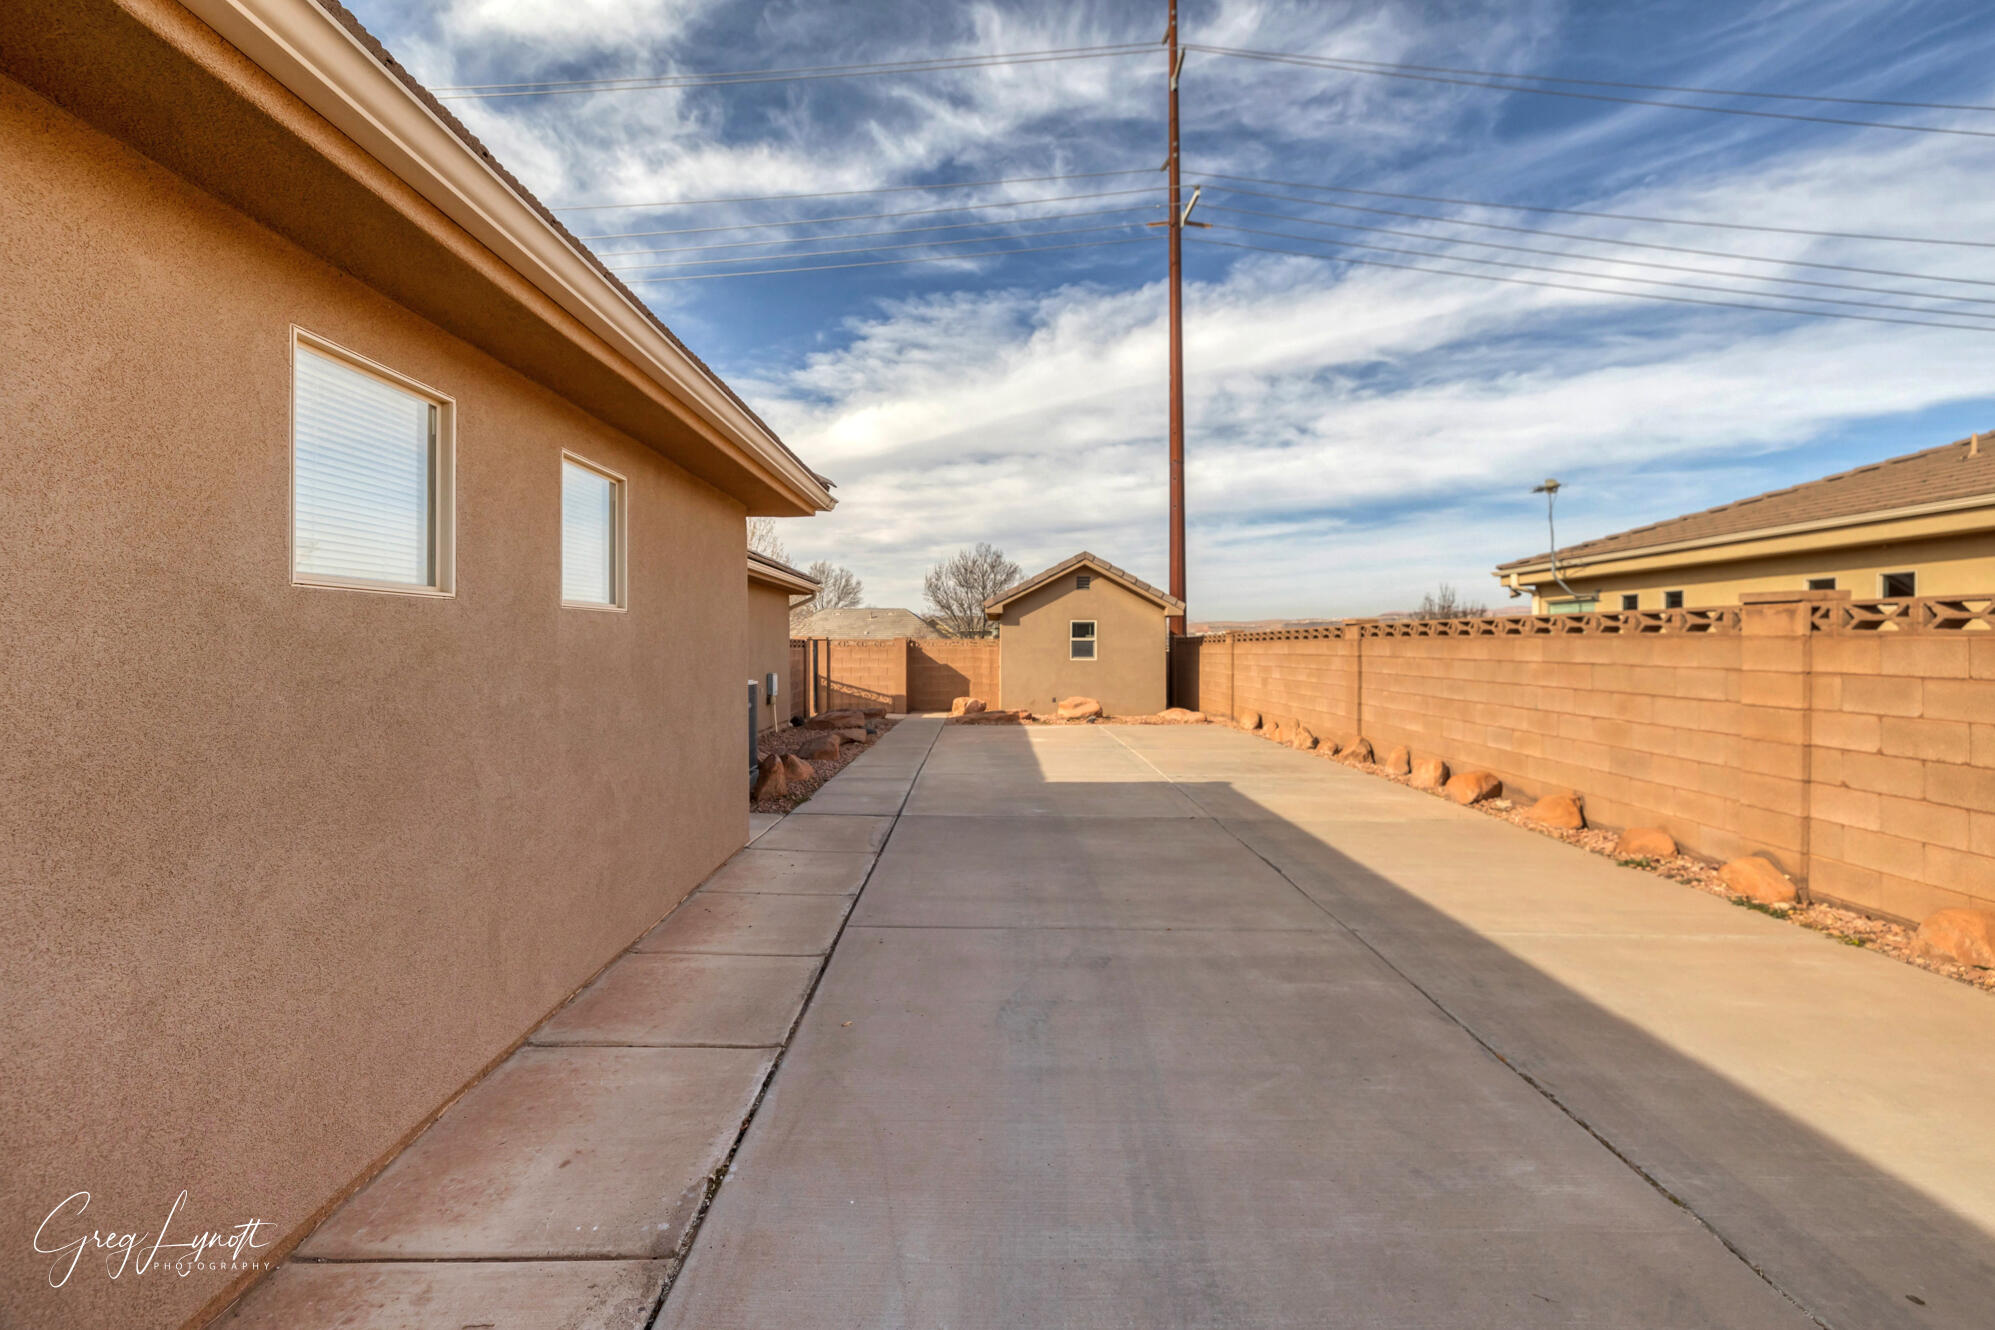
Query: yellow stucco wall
[[1948, 565], [1127, 675], [769, 650]]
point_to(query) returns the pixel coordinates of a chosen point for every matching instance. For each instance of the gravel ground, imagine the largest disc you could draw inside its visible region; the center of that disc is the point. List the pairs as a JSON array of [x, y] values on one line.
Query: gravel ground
[[789, 739], [1845, 926]]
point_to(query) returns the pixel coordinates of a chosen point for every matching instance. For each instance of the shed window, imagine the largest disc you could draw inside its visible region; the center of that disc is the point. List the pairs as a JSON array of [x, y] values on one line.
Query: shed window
[[1080, 639], [1900, 585], [1672, 600], [1821, 584], [1631, 601], [1083, 581], [370, 476], [592, 539]]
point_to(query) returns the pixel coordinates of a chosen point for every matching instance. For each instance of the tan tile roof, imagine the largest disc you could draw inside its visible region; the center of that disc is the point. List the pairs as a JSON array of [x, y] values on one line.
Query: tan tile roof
[[1952, 471], [865, 623], [1102, 566]]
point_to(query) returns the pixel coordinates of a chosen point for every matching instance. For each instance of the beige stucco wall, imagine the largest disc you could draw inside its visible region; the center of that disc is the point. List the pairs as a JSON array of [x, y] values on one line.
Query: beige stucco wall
[[1950, 565], [769, 650], [282, 868], [1127, 675]]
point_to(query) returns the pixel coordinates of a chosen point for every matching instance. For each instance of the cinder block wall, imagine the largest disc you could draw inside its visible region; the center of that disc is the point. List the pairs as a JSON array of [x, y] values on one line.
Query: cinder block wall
[[862, 672], [1852, 742], [940, 670]]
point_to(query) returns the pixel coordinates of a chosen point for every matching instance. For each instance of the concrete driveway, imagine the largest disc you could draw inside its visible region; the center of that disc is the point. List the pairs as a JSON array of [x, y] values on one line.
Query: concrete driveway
[[1155, 1027]]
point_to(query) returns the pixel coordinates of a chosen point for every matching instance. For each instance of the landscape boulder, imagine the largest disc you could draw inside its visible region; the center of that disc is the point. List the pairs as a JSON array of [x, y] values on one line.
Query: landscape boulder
[[1272, 729], [1645, 843], [966, 706], [1429, 773], [1249, 720], [1472, 787], [993, 718], [1182, 716], [855, 735], [795, 768], [1357, 748], [819, 748], [1397, 760], [1079, 708], [770, 783], [1301, 739], [1757, 879], [844, 718], [1966, 937], [1562, 811]]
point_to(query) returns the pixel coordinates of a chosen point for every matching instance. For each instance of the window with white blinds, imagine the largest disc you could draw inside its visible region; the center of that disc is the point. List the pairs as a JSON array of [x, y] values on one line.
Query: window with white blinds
[[591, 536], [369, 492]]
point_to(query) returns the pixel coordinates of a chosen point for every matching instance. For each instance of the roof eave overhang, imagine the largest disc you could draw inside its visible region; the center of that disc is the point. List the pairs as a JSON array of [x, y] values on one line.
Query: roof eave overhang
[[787, 579], [1572, 565], [322, 63], [994, 607]]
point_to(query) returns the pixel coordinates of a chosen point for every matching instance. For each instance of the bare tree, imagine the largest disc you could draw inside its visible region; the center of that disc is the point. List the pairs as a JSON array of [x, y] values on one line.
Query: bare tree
[[838, 589], [1445, 603], [763, 540], [957, 588]]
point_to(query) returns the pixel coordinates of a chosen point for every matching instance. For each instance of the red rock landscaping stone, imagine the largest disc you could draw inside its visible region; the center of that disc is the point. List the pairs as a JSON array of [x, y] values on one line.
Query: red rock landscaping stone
[[966, 706], [1964, 936], [1430, 773], [795, 768], [1757, 879], [1301, 739], [1557, 810], [1397, 760], [819, 747], [770, 782], [1079, 708], [842, 719], [1249, 720], [1472, 787], [1355, 749], [1182, 716], [1645, 843]]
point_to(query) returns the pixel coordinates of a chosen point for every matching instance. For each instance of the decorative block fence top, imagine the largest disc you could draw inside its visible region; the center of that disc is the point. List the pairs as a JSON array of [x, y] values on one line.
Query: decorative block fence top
[[1923, 614]]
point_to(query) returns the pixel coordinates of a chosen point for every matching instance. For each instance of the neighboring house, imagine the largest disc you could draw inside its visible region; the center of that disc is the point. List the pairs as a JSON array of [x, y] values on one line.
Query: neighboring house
[[772, 585], [1918, 525], [1084, 628], [865, 623], [371, 626]]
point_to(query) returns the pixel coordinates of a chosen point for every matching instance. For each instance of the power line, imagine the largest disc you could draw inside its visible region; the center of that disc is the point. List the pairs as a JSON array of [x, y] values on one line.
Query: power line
[[911, 230], [1319, 62], [1601, 258], [1598, 240], [1609, 83], [881, 263], [1594, 290], [849, 193], [1609, 216], [567, 87], [870, 249], [869, 216], [1599, 276]]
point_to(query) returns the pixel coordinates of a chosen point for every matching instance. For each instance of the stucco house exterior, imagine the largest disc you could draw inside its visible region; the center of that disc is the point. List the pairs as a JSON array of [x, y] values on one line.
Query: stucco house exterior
[[1084, 628], [772, 585], [372, 627], [1922, 524]]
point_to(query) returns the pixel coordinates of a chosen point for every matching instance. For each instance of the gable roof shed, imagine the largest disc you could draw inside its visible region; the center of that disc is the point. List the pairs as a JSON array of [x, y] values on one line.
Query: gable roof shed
[[1171, 604]]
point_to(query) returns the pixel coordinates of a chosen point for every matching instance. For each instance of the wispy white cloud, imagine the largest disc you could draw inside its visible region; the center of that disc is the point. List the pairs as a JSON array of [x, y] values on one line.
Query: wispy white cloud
[[1357, 435]]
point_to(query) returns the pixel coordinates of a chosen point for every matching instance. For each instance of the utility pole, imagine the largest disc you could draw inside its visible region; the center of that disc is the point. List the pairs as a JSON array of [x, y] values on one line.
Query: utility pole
[[1176, 236], [1178, 220]]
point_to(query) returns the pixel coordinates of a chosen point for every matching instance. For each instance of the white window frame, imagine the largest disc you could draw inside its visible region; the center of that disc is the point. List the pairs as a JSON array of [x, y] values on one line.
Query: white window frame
[[443, 473], [1094, 636], [619, 535]]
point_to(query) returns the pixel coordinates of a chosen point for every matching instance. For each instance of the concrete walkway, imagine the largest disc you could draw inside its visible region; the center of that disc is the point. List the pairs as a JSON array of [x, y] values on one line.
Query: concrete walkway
[[1155, 1027]]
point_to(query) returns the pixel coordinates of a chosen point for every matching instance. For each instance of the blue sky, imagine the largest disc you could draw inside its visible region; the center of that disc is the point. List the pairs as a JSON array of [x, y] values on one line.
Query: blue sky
[[1357, 434]]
